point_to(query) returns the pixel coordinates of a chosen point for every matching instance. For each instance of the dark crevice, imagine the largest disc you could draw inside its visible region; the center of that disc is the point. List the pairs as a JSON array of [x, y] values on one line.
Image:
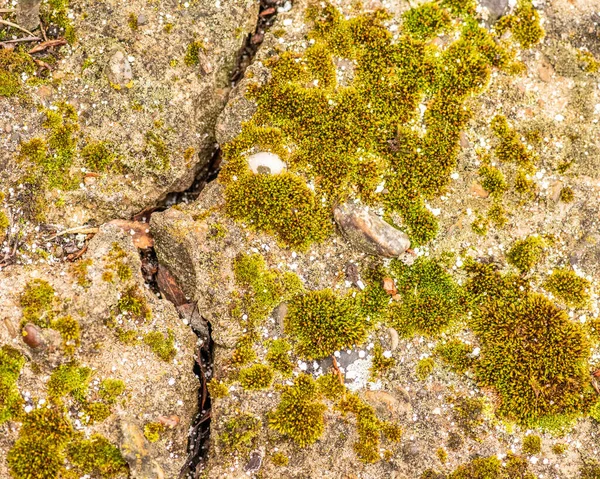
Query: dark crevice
[[199, 437]]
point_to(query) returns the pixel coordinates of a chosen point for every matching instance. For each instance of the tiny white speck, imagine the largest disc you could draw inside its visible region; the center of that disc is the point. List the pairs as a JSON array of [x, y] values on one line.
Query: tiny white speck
[[171, 381]]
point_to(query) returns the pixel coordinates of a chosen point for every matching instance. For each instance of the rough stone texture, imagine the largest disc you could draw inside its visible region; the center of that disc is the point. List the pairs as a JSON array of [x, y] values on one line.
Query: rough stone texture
[[153, 90], [368, 232], [153, 387]]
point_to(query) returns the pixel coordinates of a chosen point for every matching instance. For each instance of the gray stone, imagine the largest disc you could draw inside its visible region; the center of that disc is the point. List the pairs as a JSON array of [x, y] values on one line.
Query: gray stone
[[28, 14], [368, 232], [134, 447], [119, 70], [496, 8]]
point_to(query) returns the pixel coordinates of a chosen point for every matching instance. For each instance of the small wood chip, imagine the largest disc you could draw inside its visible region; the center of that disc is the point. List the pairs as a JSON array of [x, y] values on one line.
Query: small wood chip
[[389, 286], [140, 232]]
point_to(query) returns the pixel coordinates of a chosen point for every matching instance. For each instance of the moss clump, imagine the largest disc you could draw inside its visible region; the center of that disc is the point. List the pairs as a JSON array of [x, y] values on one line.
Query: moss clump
[[492, 180], [163, 347], [568, 287], [590, 470], [369, 428], [279, 459], [431, 300], [526, 253], [479, 225], [468, 413], [97, 455], [133, 304], [331, 386], [244, 349], [70, 333], [39, 450], [442, 455], [239, 434], [37, 301], [510, 149], [497, 214], [153, 430], [560, 448], [279, 204], [4, 222], [100, 156], [426, 21], [111, 389], [217, 389], [13, 64], [566, 195], [322, 322], [380, 362], [534, 357], [373, 301], [456, 355], [278, 356], [80, 269], [132, 21], [341, 142], [587, 61], [425, 368], [70, 379], [595, 411], [11, 363], [256, 377], [492, 468], [192, 54], [158, 157], [266, 287], [97, 411], [532, 444], [524, 24], [57, 13], [299, 414]]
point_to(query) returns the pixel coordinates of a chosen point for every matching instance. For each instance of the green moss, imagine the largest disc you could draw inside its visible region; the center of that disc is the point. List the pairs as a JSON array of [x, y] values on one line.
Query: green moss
[[163, 347], [239, 434], [192, 54], [111, 389], [244, 351], [369, 428], [4, 222], [526, 253], [568, 287], [456, 355], [492, 468], [100, 156], [492, 180], [595, 411], [80, 269], [532, 444], [279, 459], [97, 455], [153, 430], [158, 157], [588, 62], [426, 21], [35, 457], [425, 368], [13, 64], [321, 322], [497, 214], [57, 13], [133, 303], [479, 225], [442, 455], [217, 389], [331, 386], [341, 142], [560, 448], [590, 470], [431, 300], [460, 7], [127, 336], [279, 204], [524, 24], [132, 21], [256, 377], [524, 185], [300, 413], [380, 363], [70, 379], [37, 301], [70, 333], [534, 357], [566, 195], [11, 363], [278, 356], [97, 411], [509, 148], [373, 300], [266, 288], [468, 413]]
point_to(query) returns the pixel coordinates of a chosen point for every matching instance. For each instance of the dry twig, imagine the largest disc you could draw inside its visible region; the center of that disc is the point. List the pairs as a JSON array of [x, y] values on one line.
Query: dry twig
[[50, 43], [14, 25]]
